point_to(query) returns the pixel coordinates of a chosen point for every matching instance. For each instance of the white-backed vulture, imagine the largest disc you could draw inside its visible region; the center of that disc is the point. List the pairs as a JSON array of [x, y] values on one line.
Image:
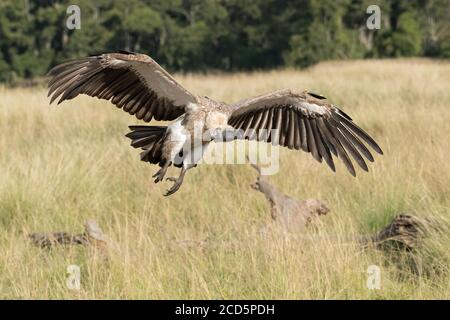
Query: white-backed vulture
[[135, 83]]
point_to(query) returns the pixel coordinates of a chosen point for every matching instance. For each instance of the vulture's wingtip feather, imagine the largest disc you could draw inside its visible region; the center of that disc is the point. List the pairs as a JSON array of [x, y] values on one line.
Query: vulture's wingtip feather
[[379, 151]]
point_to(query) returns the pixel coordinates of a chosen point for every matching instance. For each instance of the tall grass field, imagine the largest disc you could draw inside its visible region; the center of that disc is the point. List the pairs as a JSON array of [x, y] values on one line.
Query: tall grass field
[[60, 166]]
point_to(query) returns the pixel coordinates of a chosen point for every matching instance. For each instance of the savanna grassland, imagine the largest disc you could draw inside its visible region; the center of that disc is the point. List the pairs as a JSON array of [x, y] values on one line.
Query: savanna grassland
[[63, 165]]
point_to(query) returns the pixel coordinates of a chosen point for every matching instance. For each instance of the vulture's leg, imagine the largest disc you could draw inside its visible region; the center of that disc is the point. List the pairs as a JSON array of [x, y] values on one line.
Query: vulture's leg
[[159, 175], [178, 181]]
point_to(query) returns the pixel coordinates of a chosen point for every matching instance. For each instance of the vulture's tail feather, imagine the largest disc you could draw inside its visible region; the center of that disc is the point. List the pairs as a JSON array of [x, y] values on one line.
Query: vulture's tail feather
[[150, 139]]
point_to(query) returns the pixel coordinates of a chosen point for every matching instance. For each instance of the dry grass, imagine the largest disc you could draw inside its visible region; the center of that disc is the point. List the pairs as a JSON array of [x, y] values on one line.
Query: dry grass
[[60, 166]]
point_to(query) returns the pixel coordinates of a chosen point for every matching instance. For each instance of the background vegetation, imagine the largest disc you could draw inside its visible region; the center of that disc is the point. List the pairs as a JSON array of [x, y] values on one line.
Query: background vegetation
[[62, 165], [218, 34]]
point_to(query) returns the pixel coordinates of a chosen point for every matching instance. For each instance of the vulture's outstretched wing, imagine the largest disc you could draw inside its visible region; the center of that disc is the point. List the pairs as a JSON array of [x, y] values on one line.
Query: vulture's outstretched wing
[[302, 120], [133, 82]]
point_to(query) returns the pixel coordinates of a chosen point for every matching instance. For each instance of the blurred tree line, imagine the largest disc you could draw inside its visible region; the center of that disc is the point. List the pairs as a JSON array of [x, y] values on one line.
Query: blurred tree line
[[218, 34]]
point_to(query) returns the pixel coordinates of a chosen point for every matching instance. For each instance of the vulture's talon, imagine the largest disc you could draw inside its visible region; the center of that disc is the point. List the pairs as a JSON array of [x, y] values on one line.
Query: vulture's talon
[[175, 186], [157, 175], [161, 173], [157, 172], [171, 191]]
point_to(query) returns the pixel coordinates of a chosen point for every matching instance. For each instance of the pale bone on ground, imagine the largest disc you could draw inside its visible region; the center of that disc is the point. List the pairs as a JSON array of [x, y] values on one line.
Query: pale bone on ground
[[290, 213]]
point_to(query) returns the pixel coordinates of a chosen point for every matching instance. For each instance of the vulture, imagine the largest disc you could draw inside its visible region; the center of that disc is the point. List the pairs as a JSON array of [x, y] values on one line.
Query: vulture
[[135, 83]]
